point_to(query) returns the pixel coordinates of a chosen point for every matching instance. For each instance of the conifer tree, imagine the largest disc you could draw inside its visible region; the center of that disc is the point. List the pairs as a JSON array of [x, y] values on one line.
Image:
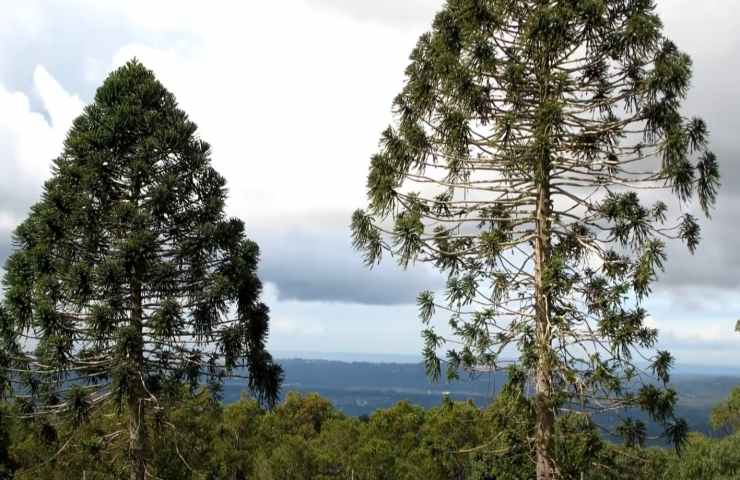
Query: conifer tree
[[541, 161], [127, 275]]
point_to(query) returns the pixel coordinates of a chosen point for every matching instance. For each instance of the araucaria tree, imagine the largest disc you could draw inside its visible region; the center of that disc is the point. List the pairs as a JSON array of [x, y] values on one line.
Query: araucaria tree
[[127, 276], [538, 158]]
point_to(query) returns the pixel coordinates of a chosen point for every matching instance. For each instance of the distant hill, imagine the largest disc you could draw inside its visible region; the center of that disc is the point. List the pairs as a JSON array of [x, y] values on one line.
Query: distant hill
[[359, 388]]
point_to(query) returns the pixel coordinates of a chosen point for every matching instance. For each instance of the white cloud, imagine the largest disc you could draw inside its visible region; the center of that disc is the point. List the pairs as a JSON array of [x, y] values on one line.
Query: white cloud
[[26, 18], [387, 12], [292, 327], [7, 222], [29, 142], [697, 324], [292, 100], [708, 333], [61, 106]]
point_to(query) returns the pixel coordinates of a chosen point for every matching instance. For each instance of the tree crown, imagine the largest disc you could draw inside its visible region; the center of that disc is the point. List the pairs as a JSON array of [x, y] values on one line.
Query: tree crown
[[129, 253]]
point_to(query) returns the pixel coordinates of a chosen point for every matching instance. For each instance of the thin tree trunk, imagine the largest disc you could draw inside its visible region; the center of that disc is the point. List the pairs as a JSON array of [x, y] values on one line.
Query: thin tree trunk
[[545, 418], [137, 422]]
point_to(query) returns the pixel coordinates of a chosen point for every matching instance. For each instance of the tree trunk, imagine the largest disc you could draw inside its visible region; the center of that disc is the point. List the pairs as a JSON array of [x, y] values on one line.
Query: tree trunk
[[545, 417], [545, 425], [137, 438], [137, 421]]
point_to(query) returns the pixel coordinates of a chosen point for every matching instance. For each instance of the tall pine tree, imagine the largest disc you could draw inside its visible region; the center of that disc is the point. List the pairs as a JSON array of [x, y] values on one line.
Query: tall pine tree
[[127, 276], [539, 152]]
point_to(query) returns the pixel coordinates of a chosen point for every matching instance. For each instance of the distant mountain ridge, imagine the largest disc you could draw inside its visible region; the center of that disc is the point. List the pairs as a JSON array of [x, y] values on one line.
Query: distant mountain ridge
[[349, 357], [361, 387], [681, 368]]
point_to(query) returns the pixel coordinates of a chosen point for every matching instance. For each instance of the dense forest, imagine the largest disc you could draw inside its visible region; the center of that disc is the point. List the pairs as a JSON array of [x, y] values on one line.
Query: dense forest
[[305, 437], [360, 388]]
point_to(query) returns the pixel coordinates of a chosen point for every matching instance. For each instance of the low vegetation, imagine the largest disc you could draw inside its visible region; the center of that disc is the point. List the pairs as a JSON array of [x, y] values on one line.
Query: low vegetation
[[305, 437]]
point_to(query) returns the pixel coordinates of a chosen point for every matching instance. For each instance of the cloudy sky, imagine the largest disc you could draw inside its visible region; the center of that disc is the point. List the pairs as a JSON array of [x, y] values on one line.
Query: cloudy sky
[[293, 94]]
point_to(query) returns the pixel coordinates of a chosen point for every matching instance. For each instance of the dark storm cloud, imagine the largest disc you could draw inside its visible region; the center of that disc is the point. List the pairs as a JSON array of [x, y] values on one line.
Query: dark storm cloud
[[324, 267], [717, 260], [710, 37]]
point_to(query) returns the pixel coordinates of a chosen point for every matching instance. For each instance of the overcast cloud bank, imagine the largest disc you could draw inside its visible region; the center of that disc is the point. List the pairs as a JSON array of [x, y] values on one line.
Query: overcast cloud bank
[[293, 95]]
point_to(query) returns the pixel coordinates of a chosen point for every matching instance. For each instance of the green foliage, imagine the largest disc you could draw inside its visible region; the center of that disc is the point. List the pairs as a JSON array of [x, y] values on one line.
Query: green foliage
[[305, 438], [6, 462], [526, 135], [127, 277], [707, 458], [727, 414]]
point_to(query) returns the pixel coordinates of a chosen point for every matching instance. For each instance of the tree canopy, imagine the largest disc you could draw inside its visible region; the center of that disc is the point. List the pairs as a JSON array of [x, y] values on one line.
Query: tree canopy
[[727, 413], [539, 154], [128, 278], [306, 438]]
